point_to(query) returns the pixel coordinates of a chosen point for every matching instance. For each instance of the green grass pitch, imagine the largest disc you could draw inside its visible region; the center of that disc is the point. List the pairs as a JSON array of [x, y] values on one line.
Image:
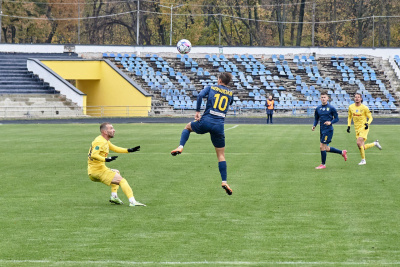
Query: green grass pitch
[[282, 211]]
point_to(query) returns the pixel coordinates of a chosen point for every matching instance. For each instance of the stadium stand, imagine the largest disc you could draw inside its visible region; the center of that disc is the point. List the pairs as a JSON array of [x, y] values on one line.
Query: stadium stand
[[295, 82], [15, 77], [19, 88], [174, 80]]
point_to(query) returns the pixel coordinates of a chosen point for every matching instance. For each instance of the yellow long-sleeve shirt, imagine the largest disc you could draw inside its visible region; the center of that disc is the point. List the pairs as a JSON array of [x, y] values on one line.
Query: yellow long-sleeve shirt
[[98, 153], [359, 114]]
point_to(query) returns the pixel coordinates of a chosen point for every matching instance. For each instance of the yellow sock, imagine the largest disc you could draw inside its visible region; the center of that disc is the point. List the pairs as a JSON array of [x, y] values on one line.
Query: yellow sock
[[114, 188], [126, 188], [369, 145], [362, 152]]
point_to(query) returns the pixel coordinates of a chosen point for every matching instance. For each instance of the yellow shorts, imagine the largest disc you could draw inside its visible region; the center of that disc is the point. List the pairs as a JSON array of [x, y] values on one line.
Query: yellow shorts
[[362, 133], [105, 177]]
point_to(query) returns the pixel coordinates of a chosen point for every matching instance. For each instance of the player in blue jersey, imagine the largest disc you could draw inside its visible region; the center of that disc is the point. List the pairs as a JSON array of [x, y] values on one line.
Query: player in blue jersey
[[218, 100], [327, 115]]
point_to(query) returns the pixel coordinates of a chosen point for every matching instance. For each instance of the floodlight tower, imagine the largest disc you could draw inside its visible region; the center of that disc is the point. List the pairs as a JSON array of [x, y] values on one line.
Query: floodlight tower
[[170, 31], [1, 16]]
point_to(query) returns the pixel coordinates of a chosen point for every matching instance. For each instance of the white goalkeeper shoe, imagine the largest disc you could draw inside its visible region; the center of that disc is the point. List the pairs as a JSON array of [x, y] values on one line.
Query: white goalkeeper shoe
[[362, 162], [136, 203], [376, 143]]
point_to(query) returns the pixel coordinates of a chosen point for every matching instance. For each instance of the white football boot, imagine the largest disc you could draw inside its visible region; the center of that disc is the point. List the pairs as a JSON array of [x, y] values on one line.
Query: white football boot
[[376, 143]]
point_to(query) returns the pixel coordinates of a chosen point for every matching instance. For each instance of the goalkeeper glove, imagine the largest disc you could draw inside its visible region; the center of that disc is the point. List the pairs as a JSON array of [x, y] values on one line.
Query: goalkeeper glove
[[111, 158], [348, 129], [366, 126], [134, 149]]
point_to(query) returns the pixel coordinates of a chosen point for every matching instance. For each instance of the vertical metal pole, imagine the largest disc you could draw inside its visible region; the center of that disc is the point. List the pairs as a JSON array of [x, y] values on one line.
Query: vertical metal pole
[[170, 31], [1, 16], [219, 31], [137, 23], [334, 25], [373, 30], [79, 22], [313, 24]]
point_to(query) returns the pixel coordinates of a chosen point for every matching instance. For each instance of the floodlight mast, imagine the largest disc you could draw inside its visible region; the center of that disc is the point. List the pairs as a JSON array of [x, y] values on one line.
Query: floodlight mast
[[137, 23], [1, 16], [170, 31]]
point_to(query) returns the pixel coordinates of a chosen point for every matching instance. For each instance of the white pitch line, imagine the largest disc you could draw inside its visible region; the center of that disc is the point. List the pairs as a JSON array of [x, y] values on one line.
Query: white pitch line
[[213, 153], [94, 262], [232, 127]]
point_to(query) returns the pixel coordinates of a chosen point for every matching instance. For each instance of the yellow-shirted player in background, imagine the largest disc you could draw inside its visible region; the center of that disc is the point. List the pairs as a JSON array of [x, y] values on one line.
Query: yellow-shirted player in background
[[360, 113], [97, 170]]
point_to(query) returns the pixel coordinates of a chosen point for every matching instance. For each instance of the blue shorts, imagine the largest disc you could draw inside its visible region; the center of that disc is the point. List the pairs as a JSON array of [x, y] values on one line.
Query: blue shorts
[[270, 111], [326, 136], [216, 131]]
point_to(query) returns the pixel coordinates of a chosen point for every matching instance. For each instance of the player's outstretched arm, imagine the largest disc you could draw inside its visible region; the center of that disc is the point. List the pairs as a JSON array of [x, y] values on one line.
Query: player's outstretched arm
[[134, 149], [95, 154], [117, 149], [111, 158]]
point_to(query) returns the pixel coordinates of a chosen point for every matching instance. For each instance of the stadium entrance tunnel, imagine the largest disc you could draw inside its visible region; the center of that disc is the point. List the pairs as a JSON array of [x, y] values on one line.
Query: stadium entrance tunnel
[[109, 92]]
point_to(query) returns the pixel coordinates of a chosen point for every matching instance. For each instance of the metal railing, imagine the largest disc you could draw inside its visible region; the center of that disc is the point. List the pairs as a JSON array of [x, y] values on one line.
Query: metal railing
[[62, 112], [117, 111], [144, 111]]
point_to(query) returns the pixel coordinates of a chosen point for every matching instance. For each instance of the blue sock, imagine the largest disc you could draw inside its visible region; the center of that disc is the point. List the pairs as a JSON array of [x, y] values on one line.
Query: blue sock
[[184, 137], [335, 150], [323, 157], [222, 170]]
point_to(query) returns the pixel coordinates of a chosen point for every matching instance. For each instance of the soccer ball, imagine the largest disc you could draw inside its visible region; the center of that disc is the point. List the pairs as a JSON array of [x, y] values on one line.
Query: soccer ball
[[184, 46]]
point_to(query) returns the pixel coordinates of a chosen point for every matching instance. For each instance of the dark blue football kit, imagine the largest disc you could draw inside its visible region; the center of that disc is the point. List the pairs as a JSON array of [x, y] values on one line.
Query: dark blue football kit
[[323, 114], [219, 98]]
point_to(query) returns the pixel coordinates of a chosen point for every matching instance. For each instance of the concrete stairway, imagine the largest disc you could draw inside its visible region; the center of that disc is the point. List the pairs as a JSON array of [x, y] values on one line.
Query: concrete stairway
[[37, 106], [23, 94]]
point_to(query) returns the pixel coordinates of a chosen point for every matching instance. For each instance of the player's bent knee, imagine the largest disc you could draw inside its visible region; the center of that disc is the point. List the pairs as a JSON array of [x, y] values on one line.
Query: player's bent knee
[[189, 127], [117, 179], [115, 170]]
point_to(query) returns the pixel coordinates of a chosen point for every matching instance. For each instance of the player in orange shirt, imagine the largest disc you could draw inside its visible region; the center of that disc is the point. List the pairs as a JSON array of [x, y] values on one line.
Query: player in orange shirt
[[270, 104]]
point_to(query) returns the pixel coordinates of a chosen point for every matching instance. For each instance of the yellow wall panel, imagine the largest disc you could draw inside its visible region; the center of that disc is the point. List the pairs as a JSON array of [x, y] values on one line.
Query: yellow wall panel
[[76, 69], [107, 92]]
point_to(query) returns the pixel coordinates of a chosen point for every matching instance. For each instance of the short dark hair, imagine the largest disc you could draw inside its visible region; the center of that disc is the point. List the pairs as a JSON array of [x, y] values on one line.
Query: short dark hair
[[324, 93], [225, 77], [103, 126]]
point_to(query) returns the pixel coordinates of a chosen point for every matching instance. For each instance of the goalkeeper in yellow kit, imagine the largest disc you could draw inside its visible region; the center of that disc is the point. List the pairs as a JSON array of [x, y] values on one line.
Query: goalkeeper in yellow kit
[[360, 113], [97, 170]]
